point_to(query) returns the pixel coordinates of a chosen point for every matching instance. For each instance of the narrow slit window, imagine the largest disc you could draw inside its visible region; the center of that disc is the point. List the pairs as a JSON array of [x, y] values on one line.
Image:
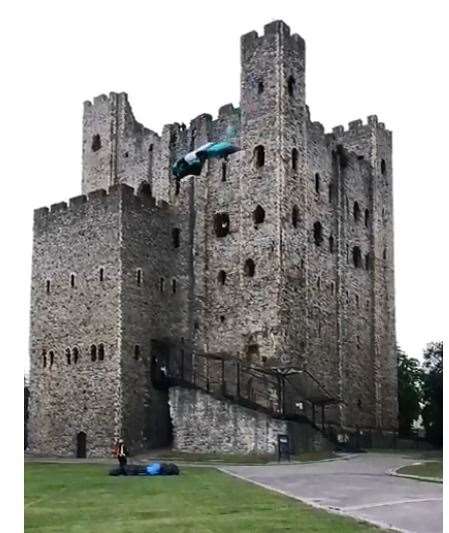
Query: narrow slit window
[[294, 159], [331, 244], [139, 277], [161, 284], [291, 85], [173, 286], [259, 154], [44, 358], [366, 217], [136, 352], [318, 233], [356, 256], [101, 274], [68, 356], [52, 358], [260, 87], [101, 352], [259, 215], [221, 224], [383, 167], [72, 280], [93, 353], [47, 287], [295, 216], [96, 143], [224, 171], [250, 268], [317, 183], [222, 277], [176, 232], [75, 355]]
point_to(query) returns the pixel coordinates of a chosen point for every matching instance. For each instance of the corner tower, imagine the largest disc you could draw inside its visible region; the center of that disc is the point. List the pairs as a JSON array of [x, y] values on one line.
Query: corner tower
[[272, 129]]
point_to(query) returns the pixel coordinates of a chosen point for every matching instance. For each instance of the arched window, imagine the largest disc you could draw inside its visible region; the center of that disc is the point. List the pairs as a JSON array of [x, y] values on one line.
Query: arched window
[[96, 143], [48, 286], [75, 355], [101, 352], [331, 244], [221, 224], [101, 274], [259, 155], [383, 167], [173, 286], [68, 356], [93, 353], [44, 358], [139, 277], [318, 233], [356, 211], [72, 280], [258, 215], [356, 256], [250, 268], [295, 216], [291, 85], [317, 182], [175, 233], [224, 171], [221, 277], [366, 217], [260, 87], [367, 261], [136, 352], [52, 358], [294, 159]]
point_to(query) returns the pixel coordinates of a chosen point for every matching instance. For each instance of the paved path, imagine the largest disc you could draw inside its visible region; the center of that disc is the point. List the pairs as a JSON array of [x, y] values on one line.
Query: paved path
[[358, 487]]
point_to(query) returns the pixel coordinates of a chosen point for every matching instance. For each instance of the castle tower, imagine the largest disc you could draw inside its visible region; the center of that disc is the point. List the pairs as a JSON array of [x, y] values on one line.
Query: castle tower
[[272, 129]]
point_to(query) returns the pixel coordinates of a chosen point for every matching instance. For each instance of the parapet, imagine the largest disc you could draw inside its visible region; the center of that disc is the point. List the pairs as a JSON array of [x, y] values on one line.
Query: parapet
[[251, 40], [119, 193], [357, 127]]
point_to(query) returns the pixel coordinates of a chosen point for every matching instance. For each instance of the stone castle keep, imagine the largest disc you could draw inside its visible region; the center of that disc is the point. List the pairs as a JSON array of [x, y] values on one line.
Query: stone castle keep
[[173, 312]]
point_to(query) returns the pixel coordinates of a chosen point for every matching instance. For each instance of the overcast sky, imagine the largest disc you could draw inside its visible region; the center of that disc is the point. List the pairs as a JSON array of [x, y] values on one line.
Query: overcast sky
[[180, 59]]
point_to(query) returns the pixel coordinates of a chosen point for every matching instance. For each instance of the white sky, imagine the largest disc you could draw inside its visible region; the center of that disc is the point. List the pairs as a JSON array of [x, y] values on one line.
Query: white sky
[[179, 59]]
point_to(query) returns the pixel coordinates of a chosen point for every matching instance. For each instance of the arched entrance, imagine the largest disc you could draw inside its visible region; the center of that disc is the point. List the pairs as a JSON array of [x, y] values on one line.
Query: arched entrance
[[81, 444]]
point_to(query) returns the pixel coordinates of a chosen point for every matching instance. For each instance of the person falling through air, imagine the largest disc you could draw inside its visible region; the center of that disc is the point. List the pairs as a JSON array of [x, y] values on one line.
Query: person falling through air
[[121, 454]]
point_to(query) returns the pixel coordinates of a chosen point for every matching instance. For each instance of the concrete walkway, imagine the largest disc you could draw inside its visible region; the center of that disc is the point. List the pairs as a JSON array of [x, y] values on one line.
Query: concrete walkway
[[359, 487]]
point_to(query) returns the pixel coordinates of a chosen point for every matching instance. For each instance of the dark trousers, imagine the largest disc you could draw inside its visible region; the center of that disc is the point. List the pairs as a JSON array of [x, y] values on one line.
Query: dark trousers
[[122, 463]]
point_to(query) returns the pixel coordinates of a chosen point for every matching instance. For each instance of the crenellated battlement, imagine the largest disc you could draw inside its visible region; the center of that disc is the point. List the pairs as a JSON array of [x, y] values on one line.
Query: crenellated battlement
[[276, 29], [116, 196], [357, 126]]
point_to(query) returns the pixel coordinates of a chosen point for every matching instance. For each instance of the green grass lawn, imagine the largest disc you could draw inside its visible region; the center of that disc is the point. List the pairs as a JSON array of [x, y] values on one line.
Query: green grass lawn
[[430, 469], [83, 499]]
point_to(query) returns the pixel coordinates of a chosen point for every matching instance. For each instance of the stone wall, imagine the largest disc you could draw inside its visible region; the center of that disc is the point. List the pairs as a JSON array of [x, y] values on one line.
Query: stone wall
[[203, 423]]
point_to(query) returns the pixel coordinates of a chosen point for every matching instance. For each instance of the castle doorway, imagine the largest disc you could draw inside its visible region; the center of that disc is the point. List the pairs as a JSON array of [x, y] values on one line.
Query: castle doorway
[[81, 445]]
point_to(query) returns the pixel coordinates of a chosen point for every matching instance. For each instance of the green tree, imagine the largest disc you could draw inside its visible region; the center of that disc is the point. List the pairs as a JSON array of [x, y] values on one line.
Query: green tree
[[432, 412], [409, 391]]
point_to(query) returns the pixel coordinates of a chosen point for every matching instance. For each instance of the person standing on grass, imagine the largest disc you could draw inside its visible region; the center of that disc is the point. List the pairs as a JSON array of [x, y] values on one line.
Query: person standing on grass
[[121, 453]]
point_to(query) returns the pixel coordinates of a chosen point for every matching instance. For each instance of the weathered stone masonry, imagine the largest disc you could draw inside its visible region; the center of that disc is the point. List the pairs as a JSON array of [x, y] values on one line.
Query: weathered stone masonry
[[282, 254]]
